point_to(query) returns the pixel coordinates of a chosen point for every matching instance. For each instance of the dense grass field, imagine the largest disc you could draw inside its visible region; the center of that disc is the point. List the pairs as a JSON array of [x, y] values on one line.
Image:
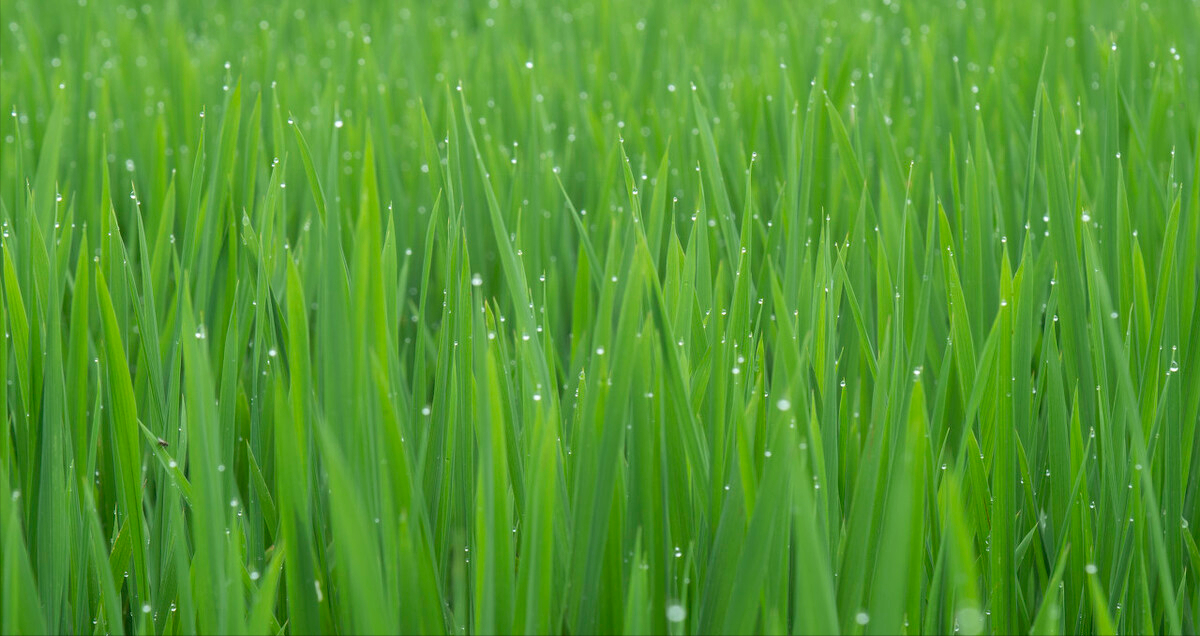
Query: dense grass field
[[600, 317]]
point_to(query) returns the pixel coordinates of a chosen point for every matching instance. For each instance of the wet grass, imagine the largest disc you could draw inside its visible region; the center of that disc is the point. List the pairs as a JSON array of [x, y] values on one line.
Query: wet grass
[[612, 317]]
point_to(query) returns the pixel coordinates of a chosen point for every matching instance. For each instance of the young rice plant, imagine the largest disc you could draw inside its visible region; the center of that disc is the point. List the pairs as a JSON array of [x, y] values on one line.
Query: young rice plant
[[600, 317]]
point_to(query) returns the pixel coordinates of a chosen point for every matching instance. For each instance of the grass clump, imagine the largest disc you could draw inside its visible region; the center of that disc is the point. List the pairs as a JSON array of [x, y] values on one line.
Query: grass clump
[[607, 317]]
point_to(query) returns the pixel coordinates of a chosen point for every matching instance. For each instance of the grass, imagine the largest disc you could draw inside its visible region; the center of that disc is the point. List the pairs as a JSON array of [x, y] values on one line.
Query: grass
[[610, 317]]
